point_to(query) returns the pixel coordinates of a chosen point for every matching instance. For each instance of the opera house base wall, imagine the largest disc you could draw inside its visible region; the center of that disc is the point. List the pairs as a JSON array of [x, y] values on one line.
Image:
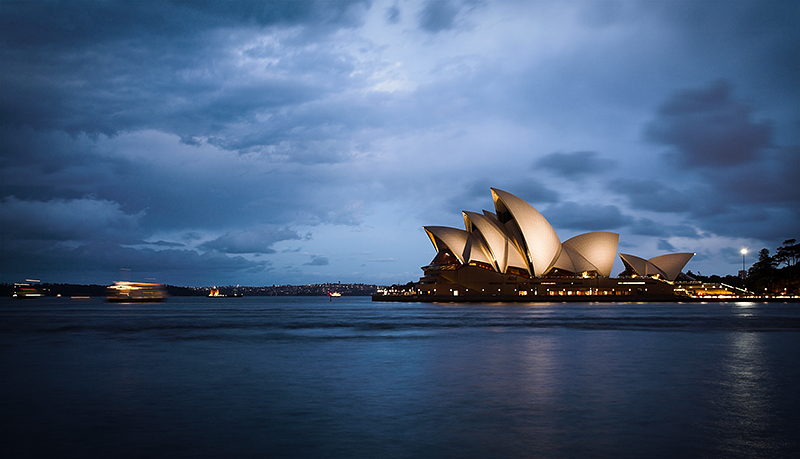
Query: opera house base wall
[[475, 281], [412, 298], [475, 284], [539, 299]]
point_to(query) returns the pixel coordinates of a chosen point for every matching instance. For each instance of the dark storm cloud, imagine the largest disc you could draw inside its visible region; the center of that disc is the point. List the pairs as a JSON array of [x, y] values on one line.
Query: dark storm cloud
[[653, 195], [69, 23], [258, 240], [166, 260], [648, 227], [474, 196], [731, 177], [317, 260], [722, 205], [438, 15], [769, 182], [773, 180], [166, 244], [762, 37], [88, 237], [575, 163], [103, 67], [68, 220], [771, 223], [707, 127], [393, 14], [108, 91], [186, 187], [30, 153], [666, 246], [585, 217]]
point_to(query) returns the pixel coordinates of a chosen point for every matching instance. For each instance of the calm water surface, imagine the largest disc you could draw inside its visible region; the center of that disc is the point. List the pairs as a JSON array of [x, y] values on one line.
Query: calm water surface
[[306, 377]]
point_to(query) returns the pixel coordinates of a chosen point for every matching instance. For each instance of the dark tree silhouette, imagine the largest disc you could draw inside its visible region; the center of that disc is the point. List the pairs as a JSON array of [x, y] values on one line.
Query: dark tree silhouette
[[788, 254], [761, 275]]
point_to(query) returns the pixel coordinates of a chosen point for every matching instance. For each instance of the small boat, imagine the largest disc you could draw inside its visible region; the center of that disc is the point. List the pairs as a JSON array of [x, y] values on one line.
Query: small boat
[[129, 292]]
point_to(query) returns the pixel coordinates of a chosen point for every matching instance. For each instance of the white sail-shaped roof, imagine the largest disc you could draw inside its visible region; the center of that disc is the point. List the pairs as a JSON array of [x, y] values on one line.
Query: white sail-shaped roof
[[465, 246], [492, 216], [494, 238], [667, 266], [671, 264], [636, 264], [454, 240], [477, 251], [541, 243], [572, 261], [517, 256], [592, 252], [503, 252]]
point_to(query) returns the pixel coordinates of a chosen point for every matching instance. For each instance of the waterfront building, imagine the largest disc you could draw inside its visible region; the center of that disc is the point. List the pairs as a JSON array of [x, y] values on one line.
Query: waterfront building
[[514, 251]]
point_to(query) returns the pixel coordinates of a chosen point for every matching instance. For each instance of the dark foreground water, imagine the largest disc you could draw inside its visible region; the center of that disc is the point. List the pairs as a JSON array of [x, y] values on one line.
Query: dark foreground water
[[305, 377]]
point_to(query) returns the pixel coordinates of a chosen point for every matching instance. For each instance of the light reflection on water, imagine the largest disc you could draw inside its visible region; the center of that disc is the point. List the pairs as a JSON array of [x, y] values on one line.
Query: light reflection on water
[[294, 377], [746, 396]]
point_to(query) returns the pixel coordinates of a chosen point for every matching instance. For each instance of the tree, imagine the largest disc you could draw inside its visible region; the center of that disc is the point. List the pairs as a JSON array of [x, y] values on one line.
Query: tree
[[788, 253], [762, 273], [765, 262]]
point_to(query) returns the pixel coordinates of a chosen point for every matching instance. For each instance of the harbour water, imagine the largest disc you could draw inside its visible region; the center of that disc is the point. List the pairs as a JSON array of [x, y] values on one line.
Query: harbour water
[[312, 378]]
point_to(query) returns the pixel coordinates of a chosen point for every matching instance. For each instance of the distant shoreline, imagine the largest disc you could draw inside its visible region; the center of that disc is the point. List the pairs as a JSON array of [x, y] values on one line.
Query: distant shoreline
[[95, 290]]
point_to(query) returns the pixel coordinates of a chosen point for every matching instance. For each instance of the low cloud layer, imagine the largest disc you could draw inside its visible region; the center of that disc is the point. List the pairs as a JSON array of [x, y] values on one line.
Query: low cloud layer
[[574, 164], [258, 240]]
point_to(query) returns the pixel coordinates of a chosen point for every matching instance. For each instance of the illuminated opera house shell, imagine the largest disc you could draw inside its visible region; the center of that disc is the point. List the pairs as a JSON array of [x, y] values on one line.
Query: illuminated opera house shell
[[517, 239], [664, 266]]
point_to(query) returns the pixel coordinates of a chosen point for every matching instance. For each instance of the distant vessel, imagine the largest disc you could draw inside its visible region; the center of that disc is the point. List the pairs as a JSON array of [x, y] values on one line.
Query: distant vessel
[[334, 294], [27, 290], [127, 292], [214, 293]]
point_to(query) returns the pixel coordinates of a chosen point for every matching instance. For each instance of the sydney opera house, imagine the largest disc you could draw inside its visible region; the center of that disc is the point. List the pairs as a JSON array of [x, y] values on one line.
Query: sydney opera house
[[514, 252]]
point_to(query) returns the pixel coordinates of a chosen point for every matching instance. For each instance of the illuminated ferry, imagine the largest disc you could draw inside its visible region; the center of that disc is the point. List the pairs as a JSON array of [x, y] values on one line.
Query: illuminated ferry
[[127, 292], [27, 290], [214, 293]]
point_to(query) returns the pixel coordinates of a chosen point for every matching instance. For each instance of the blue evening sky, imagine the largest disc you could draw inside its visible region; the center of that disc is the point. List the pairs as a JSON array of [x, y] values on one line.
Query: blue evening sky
[[260, 143]]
